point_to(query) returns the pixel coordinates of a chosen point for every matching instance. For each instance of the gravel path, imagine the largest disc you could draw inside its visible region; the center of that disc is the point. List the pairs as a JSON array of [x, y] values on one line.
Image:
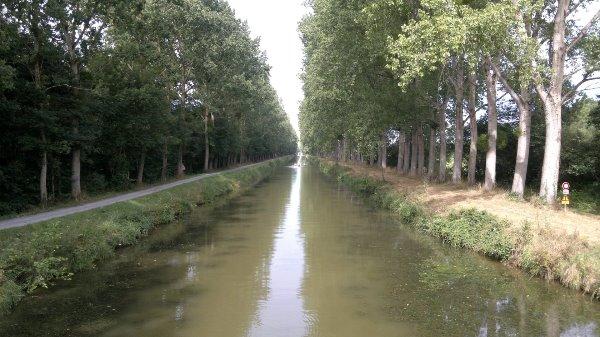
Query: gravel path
[[39, 217]]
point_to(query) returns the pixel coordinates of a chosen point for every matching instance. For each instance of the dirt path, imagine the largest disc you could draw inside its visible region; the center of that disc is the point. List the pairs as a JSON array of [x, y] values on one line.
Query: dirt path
[[39, 217], [443, 198]]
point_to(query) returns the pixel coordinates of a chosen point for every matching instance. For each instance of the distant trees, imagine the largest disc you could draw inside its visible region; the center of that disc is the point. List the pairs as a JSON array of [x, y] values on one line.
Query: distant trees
[[445, 56], [102, 95]]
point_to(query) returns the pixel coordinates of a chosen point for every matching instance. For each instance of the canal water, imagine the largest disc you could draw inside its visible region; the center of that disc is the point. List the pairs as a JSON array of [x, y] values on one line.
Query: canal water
[[300, 256]]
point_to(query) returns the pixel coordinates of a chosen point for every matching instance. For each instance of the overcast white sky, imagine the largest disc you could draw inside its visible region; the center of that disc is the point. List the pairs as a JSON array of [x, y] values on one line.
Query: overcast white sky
[[276, 23]]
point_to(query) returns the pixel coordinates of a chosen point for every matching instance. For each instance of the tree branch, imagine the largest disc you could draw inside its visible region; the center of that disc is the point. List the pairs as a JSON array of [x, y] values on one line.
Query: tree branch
[[583, 32], [505, 84], [497, 100], [68, 86], [574, 8], [568, 96]]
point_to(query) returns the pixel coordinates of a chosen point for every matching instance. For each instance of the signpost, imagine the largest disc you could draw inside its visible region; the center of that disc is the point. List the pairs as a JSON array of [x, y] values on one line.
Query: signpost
[[566, 192]]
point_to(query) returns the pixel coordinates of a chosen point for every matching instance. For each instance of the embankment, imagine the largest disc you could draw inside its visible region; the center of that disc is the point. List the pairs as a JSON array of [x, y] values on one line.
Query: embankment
[[537, 249], [39, 254]]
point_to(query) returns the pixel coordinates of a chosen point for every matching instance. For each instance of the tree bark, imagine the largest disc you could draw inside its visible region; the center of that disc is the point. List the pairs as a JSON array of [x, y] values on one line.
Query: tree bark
[[443, 150], [140, 171], [43, 179], [407, 155], [414, 153], [180, 166], [490, 157], [344, 149], [44, 171], [383, 150], [431, 161], [522, 101], [76, 173], [401, 141], [163, 172], [552, 100], [472, 127], [37, 78], [206, 145], [520, 176], [420, 151], [458, 142], [551, 164]]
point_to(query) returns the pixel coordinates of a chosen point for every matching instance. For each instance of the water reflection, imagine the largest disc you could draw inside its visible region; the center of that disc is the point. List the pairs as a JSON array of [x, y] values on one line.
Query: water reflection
[[299, 256], [282, 313]]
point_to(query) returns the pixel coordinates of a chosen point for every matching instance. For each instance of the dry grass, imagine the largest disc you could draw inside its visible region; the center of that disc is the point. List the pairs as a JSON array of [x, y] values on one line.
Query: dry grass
[[444, 198], [550, 243]]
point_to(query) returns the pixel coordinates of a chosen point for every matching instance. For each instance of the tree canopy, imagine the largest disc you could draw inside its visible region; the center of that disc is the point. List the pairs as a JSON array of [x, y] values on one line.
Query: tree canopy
[[98, 96], [398, 72]]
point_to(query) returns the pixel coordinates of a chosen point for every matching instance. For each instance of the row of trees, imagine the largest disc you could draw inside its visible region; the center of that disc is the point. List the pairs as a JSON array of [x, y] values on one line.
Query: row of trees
[[417, 72], [103, 94]]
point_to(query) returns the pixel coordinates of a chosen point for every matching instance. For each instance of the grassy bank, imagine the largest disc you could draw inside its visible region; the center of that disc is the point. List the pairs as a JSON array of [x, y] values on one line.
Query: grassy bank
[[537, 249], [36, 255]]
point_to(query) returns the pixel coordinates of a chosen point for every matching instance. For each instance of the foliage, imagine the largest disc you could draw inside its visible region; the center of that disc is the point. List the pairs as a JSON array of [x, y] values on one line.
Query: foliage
[[542, 252], [40, 254], [130, 83]]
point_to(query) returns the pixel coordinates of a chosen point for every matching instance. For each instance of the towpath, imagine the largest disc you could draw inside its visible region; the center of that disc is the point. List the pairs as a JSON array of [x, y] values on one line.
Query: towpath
[[44, 216]]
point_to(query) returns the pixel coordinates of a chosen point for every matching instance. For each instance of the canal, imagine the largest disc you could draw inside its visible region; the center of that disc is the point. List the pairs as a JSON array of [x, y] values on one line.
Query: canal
[[300, 256]]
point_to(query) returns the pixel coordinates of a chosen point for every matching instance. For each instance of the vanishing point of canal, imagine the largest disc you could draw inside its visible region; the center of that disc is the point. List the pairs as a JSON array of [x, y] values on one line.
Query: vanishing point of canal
[[299, 256]]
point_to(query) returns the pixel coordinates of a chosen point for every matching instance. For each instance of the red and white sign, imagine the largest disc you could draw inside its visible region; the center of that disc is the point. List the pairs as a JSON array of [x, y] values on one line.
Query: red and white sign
[[566, 186], [566, 192]]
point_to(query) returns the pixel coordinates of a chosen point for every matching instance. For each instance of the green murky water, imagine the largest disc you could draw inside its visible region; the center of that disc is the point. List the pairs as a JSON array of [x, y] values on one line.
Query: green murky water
[[295, 257]]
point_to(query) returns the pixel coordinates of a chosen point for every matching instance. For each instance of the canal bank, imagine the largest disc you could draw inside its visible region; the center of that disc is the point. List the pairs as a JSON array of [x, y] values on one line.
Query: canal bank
[[536, 248], [37, 255], [299, 255]]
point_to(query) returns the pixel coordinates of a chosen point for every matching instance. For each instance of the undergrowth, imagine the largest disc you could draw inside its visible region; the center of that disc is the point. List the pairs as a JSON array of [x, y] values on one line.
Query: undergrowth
[[538, 250], [37, 255]]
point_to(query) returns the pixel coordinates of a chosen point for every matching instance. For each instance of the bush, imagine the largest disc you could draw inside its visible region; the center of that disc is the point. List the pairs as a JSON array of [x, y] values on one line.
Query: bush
[[540, 251], [37, 255]]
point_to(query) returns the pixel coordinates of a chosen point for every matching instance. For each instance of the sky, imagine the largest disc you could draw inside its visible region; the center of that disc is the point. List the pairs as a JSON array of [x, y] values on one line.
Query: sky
[[275, 22]]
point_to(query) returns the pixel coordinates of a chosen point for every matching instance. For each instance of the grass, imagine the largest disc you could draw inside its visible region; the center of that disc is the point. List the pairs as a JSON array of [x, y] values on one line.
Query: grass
[[538, 250], [91, 197], [586, 199], [37, 255]]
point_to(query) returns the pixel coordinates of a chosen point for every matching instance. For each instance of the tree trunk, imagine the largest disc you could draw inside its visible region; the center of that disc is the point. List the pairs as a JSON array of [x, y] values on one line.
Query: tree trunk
[[383, 150], [458, 142], [490, 157], [407, 155], [206, 145], [551, 164], [443, 150], [44, 173], [140, 171], [43, 179], [163, 172], [431, 161], [401, 140], [344, 149], [472, 97], [552, 100], [37, 78], [76, 173], [180, 166], [520, 176], [414, 152], [420, 151]]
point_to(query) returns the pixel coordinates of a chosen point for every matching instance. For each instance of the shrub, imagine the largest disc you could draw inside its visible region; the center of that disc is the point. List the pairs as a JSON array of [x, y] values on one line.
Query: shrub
[[37, 255]]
